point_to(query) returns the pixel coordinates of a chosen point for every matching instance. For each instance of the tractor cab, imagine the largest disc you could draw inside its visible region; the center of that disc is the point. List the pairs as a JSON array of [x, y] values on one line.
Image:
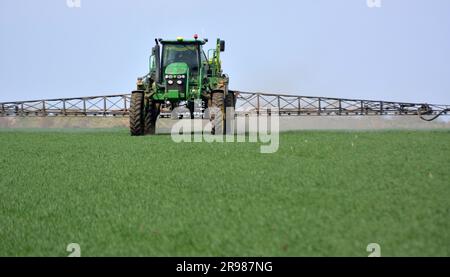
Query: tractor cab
[[185, 53], [180, 69]]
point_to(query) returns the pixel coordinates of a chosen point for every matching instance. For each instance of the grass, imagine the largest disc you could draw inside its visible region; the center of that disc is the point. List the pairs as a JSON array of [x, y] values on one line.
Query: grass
[[321, 194]]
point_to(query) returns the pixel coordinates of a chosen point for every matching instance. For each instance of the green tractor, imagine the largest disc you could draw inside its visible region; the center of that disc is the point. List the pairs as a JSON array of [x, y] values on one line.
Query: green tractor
[[181, 74]]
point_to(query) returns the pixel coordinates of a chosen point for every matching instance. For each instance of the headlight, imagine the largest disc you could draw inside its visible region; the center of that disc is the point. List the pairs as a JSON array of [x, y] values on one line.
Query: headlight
[[182, 76], [167, 76], [179, 82], [170, 82], [170, 76], [179, 77]]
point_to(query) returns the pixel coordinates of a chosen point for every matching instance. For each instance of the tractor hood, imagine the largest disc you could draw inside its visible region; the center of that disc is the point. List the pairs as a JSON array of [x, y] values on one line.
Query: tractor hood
[[177, 69]]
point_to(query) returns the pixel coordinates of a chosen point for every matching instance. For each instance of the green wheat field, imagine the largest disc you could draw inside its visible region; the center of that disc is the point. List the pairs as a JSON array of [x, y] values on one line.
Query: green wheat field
[[322, 194]]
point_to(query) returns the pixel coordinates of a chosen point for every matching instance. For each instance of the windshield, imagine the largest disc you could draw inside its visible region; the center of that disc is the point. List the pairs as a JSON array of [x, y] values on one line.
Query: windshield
[[187, 53]]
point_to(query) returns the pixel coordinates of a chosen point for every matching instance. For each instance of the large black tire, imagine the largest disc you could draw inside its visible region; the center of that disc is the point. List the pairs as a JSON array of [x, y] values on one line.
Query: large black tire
[[229, 103], [229, 100], [217, 113], [137, 113], [151, 115], [191, 108]]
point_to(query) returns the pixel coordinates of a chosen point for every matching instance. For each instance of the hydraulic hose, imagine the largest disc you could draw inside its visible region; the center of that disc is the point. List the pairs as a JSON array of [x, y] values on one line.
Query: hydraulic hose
[[422, 113]]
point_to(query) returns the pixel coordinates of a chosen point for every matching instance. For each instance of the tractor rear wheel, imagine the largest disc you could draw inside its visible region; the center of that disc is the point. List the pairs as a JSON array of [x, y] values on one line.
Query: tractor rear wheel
[[217, 113], [229, 113], [151, 115], [191, 107], [137, 113], [229, 100]]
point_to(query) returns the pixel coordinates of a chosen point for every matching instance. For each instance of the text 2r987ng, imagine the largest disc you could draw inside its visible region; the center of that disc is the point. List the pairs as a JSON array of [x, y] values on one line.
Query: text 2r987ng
[[246, 266]]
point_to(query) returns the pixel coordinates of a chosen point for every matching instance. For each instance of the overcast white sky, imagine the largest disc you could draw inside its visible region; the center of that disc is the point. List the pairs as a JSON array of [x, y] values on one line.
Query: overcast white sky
[[339, 48]]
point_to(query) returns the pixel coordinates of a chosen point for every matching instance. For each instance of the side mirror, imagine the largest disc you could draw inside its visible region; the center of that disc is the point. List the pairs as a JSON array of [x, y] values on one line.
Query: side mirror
[[157, 59], [222, 46]]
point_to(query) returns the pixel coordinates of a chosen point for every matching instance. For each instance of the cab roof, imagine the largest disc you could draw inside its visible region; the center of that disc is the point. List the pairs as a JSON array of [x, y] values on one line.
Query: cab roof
[[182, 41]]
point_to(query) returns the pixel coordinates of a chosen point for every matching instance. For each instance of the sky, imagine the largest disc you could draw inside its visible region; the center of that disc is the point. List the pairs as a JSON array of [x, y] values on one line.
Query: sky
[[395, 51]]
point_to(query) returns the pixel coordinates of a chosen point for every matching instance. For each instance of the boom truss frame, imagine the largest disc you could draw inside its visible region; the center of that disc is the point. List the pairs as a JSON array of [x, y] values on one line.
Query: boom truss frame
[[246, 103]]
